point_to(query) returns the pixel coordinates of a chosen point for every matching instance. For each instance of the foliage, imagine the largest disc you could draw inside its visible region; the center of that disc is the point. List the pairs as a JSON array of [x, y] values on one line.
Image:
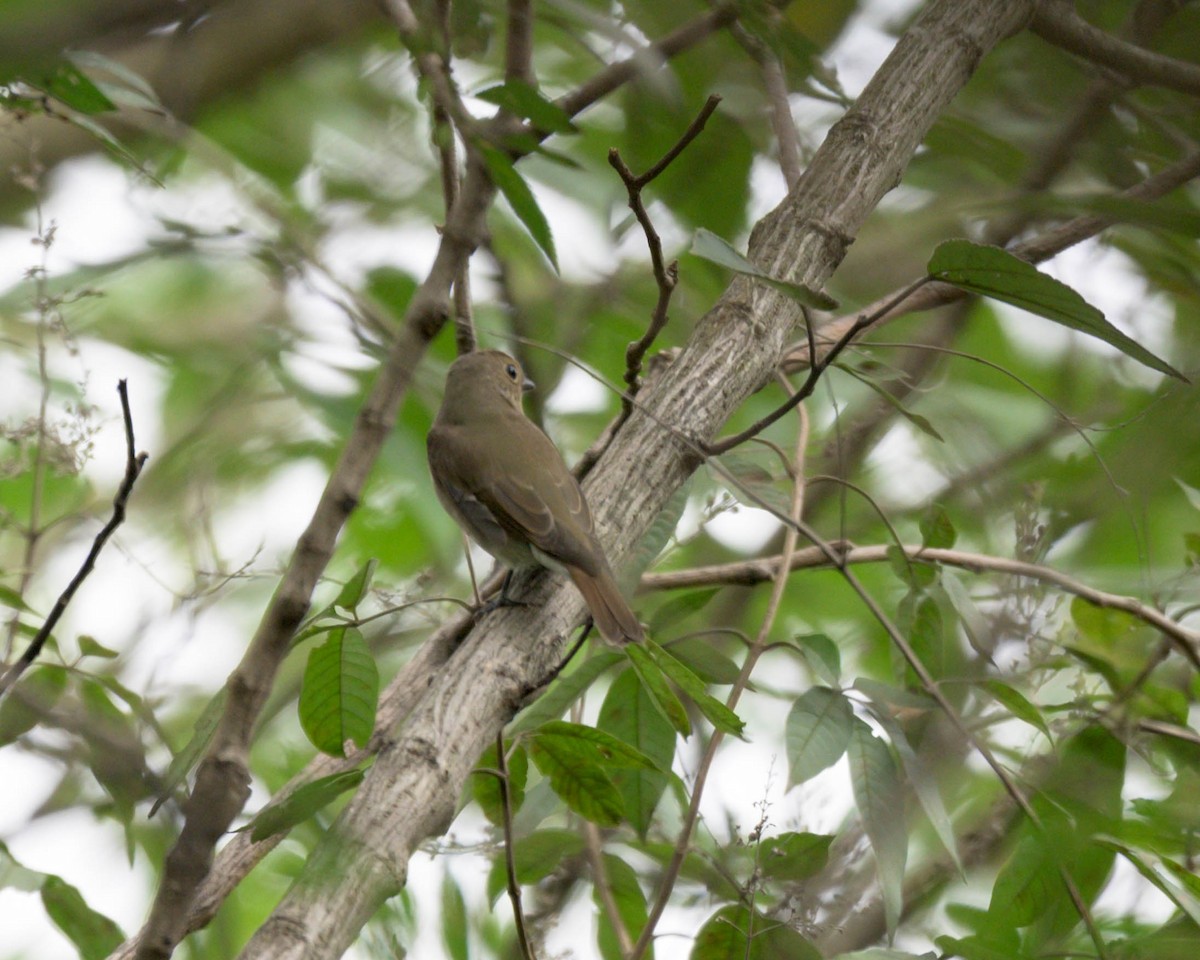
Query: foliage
[[1013, 479]]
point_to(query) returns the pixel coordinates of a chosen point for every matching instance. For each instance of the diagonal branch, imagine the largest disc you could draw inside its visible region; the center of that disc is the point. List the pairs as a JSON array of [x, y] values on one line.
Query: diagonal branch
[[1057, 22], [134, 462]]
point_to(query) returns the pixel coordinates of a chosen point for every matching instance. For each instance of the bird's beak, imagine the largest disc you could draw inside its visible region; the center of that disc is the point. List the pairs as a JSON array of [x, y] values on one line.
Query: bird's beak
[[527, 385]]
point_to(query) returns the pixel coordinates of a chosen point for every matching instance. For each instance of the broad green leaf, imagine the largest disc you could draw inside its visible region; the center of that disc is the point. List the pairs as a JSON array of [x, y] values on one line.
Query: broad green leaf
[[627, 893], [698, 655], [996, 273], [578, 776], [522, 100], [629, 714], [1027, 886], [791, 857], [719, 715], [340, 693], [302, 804], [817, 732], [485, 787], [708, 246], [596, 744], [661, 694], [93, 934], [516, 191], [735, 933], [880, 802]]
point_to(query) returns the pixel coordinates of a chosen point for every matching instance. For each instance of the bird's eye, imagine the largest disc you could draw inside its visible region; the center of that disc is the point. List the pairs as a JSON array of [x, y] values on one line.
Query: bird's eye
[[511, 370]]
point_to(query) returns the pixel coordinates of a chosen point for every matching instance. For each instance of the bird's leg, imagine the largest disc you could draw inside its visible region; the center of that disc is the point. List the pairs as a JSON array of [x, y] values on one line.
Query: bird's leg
[[502, 599]]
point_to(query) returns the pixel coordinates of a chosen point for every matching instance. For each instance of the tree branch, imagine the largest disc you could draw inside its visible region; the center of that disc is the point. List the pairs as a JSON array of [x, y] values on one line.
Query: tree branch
[[749, 572], [1056, 22], [134, 462]]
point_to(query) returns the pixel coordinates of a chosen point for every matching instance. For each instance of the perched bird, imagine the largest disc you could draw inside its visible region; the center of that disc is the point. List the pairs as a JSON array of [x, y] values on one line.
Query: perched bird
[[505, 483]]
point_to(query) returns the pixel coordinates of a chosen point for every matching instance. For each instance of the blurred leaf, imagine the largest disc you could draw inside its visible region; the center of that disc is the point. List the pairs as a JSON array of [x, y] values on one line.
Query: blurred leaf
[[69, 85], [709, 246], [1018, 705], [91, 647], [340, 693], [24, 705], [791, 857], [629, 714], [565, 691], [92, 933], [183, 761], [631, 906], [698, 655], [454, 919], [357, 587], [817, 732], [937, 531], [880, 802], [680, 607], [485, 787], [734, 933], [996, 273], [522, 100], [301, 804], [516, 191], [822, 654], [719, 715]]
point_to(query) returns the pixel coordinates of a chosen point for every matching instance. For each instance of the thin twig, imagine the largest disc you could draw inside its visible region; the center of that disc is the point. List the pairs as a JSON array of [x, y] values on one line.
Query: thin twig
[[595, 852], [749, 572], [510, 866], [775, 83], [134, 462], [666, 276], [671, 873], [518, 55], [864, 321]]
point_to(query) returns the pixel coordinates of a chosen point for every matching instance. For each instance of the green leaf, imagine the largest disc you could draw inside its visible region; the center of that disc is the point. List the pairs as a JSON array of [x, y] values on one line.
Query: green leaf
[[14, 876], [91, 647], [340, 693], [301, 804], [1027, 885], [93, 934], [564, 692], [10, 598], [522, 100], [996, 273], [817, 732], [936, 529], [680, 608], [822, 655], [69, 85], [516, 191], [918, 421], [577, 776], [719, 715], [596, 744], [791, 857], [708, 246], [880, 802], [454, 919], [1182, 899], [357, 587], [734, 933], [1018, 705], [631, 907], [183, 761], [43, 685], [629, 714], [485, 787], [923, 783], [661, 694], [699, 656]]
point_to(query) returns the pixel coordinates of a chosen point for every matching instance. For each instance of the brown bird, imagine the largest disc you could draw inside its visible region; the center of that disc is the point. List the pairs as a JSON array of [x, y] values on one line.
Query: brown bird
[[505, 483]]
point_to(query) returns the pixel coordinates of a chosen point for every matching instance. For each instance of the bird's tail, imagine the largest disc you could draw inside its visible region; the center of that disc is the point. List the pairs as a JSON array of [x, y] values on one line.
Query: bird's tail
[[613, 617]]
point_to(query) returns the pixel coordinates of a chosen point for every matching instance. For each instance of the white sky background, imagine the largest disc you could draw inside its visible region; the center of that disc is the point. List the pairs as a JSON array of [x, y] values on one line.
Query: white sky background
[[101, 215]]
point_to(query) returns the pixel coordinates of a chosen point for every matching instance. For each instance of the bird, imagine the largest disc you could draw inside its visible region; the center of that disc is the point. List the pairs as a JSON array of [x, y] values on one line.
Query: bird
[[505, 483]]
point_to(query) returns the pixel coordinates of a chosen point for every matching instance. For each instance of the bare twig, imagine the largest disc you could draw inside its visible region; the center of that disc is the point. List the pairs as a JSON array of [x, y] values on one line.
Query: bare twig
[[861, 323], [134, 462], [750, 572], [666, 276], [510, 866], [1057, 22], [518, 57], [595, 852]]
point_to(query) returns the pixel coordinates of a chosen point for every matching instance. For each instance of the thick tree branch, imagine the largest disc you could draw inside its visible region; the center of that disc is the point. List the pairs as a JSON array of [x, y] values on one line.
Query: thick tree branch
[[1057, 22]]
